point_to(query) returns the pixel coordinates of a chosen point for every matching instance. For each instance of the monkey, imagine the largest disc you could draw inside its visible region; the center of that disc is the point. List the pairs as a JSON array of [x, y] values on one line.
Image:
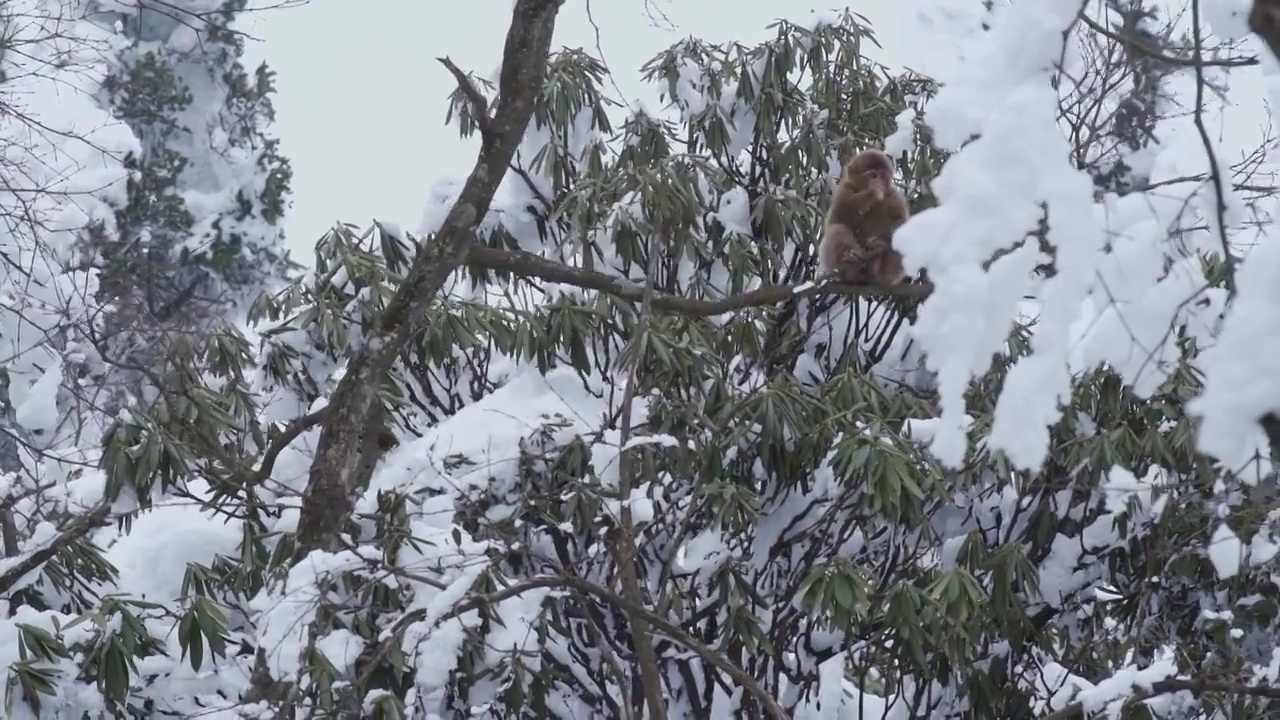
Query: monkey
[[1264, 21], [857, 235]]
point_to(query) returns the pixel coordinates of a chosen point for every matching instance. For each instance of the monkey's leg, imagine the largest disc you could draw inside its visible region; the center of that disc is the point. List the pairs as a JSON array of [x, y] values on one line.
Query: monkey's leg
[[856, 264], [888, 267], [834, 254]]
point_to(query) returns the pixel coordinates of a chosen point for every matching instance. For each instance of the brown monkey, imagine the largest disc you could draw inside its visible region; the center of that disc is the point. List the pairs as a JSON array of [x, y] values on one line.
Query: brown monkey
[[866, 209], [1264, 21]]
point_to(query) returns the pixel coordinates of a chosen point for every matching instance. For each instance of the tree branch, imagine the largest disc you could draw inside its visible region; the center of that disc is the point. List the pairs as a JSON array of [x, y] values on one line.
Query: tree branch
[[663, 625], [75, 530], [291, 432], [338, 471], [1135, 44], [479, 106], [1215, 172], [622, 540], [1195, 686], [530, 265], [342, 466]]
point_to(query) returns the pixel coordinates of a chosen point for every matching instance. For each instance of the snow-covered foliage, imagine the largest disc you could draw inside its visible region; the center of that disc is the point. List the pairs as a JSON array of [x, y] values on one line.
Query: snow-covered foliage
[[199, 233], [637, 445]]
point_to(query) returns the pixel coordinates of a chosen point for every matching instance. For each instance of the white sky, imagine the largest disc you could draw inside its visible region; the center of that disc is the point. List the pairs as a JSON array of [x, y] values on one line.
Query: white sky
[[361, 99]]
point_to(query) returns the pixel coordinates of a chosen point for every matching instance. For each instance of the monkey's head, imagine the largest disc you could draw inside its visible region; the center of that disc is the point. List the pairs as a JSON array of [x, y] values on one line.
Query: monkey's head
[[869, 168], [1264, 21]]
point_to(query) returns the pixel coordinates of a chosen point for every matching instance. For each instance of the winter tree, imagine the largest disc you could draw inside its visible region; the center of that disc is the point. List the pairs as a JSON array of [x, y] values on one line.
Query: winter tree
[[115, 184], [199, 233], [597, 443]]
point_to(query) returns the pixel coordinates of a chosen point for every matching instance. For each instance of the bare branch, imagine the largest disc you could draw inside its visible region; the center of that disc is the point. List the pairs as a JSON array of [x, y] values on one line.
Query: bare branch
[[1215, 174], [1136, 44], [530, 265], [479, 105]]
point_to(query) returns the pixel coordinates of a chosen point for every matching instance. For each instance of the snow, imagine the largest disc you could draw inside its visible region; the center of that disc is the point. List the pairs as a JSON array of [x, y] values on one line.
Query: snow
[[1113, 308], [155, 571], [1229, 406], [1227, 19], [39, 409], [517, 477], [1226, 552]]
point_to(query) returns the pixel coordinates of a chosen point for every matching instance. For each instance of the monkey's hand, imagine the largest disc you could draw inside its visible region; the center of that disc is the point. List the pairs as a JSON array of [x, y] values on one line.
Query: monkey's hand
[[853, 255], [865, 199], [876, 184]]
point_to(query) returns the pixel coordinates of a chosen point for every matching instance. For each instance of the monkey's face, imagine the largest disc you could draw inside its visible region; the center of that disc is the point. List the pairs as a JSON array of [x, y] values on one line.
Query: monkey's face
[[870, 169], [867, 177], [877, 178]]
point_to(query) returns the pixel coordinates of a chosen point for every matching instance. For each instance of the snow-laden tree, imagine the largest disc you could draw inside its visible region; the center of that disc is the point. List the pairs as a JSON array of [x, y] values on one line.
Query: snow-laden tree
[[83, 186], [200, 232], [62, 172], [648, 465]]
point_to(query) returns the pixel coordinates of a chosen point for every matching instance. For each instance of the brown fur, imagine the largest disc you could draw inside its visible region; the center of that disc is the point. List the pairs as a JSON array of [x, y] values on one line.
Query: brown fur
[[866, 209], [1264, 21]]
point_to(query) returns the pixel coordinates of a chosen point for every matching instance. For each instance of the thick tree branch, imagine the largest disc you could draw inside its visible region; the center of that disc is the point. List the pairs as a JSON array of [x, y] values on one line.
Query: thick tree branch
[[530, 265], [337, 472]]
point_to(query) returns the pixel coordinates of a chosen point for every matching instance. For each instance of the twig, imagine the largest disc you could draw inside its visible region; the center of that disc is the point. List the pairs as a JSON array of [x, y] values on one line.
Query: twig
[[1135, 45], [1215, 174], [479, 106]]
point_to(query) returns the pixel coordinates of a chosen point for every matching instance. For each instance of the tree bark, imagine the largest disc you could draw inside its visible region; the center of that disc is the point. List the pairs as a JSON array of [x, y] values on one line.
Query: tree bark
[[338, 472]]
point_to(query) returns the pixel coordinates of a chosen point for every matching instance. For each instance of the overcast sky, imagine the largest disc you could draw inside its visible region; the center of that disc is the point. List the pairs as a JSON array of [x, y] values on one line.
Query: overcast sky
[[361, 99]]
